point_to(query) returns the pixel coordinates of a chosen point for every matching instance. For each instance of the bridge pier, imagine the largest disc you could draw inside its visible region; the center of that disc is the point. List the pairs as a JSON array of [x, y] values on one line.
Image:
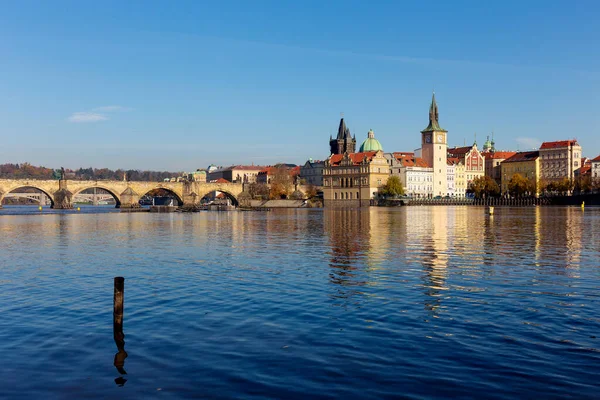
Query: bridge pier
[[63, 199], [129, 199]]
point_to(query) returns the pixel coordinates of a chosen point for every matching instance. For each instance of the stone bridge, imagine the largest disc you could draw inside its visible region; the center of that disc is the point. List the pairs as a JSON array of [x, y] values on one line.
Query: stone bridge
[[126, 193]]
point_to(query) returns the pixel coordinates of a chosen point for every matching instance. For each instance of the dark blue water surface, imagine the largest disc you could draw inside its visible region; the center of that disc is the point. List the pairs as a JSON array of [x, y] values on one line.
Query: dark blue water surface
[[413, 302]]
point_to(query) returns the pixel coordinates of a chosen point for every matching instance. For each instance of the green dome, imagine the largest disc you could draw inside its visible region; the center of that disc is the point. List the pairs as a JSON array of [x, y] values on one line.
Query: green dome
[[370, 143]]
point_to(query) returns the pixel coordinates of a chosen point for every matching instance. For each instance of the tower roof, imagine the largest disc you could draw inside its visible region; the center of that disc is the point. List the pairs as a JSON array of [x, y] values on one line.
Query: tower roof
[[434, 124], [343, 131]]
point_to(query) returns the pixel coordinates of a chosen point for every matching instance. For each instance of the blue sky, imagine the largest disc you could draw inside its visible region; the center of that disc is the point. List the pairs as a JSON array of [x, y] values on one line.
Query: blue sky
[[180, 85]]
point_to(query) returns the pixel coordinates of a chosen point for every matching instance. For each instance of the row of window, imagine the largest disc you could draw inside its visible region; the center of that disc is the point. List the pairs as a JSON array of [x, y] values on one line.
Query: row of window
[[346, 182], [558, 155], [345, 196]]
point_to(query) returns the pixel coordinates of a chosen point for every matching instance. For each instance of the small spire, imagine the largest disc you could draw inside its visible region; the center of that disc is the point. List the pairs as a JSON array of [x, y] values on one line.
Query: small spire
[[434, 124]]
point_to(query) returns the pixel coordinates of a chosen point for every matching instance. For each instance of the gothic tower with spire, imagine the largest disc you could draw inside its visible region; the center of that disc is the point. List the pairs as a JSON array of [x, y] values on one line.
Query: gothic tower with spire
[[344, 142], [434, 150]]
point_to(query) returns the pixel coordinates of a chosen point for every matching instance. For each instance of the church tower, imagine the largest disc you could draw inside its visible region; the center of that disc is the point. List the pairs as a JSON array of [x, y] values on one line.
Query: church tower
[[344, 143], [434, 151]]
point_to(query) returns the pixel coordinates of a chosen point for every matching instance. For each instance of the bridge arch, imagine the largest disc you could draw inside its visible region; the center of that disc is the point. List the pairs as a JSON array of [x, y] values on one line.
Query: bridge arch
[[173, 193], [110, 191], [28, 186], [230, 196]]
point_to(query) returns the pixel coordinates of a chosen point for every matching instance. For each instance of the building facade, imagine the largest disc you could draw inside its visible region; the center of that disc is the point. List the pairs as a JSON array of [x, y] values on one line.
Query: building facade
[[493, 161], [526, 164], [460, 179], [471, 158], [451, 172], [414, 173], [311, 173], [353, 179], [434, 146], [236, 173], [559, 160], [595, 170]]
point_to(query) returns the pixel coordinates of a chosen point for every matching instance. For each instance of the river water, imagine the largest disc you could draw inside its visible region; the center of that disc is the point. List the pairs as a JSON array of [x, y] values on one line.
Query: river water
[[412, 302]]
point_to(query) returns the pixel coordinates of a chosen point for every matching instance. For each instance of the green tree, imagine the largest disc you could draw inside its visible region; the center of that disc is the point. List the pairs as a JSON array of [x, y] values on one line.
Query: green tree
[[393, 187]]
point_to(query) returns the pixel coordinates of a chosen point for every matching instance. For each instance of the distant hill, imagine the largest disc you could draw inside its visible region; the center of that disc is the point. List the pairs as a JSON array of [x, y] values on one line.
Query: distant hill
[[28, 171]]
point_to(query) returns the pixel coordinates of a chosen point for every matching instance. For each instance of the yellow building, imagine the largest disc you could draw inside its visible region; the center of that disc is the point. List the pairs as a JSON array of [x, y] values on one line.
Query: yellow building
[[460, 177], [526, 163], [352, 180]]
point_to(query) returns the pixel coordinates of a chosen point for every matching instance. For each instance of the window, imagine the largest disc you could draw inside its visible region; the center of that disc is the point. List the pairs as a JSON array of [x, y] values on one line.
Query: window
[[335, 196], [357, 195]]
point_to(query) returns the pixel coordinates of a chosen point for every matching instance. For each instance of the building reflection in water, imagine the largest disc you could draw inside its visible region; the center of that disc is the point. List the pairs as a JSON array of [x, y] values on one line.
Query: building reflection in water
[[348, 231], [559, 238], [433, 243]]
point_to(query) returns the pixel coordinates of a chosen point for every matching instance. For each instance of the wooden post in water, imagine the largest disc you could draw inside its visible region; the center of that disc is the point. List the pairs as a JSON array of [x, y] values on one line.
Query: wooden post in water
[[118, 334]]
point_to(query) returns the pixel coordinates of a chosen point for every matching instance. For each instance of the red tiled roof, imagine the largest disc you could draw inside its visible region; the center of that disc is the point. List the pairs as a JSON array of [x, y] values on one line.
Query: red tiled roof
[[559, 144], [499, 155], [222, 180], [269, 170], [356, 158], [460, 150], [597, 159], [585, 170], [453, 160], [413, 162], [524, 156]]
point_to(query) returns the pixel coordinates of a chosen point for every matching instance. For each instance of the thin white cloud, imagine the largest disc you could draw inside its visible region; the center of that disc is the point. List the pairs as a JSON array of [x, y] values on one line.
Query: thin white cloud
[[87, 117], [111, 109], [96, 114], [528, 143]]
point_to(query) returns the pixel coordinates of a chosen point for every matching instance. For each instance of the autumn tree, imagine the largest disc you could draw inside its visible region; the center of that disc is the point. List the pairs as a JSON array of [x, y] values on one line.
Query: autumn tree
[[519, 186], [281, 182], [258, 191], [311, 191], [297, 195], [484, 186], [393, 187], [583, 184]]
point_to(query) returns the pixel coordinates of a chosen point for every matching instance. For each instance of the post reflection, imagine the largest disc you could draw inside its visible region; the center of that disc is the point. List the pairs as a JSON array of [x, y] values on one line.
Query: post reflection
[[118, 334]]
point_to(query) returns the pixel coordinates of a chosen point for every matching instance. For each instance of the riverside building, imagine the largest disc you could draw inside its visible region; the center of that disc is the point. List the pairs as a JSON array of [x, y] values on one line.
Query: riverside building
[[526, 164], [353, 179], [559, 160]]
